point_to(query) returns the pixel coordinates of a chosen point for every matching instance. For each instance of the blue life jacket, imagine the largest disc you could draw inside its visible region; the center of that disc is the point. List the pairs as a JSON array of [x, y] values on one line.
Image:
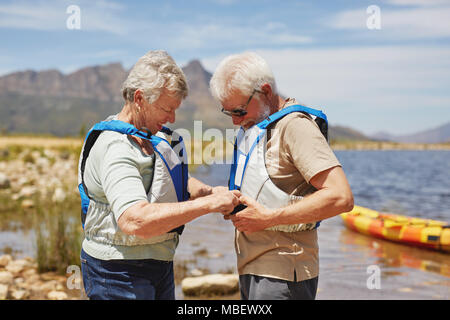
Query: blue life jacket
[[248, 171], [173, 155]]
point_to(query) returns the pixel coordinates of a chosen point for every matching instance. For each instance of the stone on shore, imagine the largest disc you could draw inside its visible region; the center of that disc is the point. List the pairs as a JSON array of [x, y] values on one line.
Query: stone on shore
[[6, 277], [213, 284], [17, 266], [28, 191], [3, 291], [59, 195], [19, 294], [57, 295], [5, 183], [4, 260], [27, 204]]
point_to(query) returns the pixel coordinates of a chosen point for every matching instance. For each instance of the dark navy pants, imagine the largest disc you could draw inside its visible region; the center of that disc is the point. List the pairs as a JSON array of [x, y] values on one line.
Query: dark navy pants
[[145, 279], [264, 288]]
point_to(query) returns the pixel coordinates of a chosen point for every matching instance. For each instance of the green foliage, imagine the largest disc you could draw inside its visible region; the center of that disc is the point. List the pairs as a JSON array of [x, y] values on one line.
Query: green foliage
[[11, 152], [83, 131], [56, 226], [58, 235], [28, 158]]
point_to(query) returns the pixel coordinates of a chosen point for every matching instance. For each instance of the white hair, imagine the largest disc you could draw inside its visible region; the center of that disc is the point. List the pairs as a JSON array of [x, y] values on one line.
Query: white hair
[[153, 73], [243, 72]]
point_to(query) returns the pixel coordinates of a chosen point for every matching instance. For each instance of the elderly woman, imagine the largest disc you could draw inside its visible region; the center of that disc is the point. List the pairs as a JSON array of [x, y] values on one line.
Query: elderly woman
[[135, 190]]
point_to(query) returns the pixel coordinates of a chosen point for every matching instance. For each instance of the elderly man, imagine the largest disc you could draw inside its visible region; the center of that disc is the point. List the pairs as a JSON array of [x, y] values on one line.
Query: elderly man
[[288, 176]]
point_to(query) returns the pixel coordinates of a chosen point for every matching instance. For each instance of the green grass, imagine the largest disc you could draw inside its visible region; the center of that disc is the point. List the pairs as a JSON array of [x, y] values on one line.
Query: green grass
[[58, 235], [57, 226]]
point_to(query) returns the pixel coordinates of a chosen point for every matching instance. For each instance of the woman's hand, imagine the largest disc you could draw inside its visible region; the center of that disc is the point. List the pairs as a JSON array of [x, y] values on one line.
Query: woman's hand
[[198, 189], [219, 189], [222, 200]]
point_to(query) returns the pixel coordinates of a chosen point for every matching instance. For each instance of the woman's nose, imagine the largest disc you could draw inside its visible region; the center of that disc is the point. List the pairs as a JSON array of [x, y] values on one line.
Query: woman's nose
[[172, 117]]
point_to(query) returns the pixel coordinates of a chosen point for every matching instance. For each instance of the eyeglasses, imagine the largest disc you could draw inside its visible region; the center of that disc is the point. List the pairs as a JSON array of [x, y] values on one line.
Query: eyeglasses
[[240, 112]]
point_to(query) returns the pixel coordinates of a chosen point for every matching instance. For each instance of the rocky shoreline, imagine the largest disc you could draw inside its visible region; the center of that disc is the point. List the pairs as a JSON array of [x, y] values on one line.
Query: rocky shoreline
[[20, 280], [47, 173], [35, 178]]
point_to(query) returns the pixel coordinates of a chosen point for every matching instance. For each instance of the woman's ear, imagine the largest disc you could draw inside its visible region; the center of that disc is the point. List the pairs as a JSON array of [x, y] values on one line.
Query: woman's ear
[[139, 97]]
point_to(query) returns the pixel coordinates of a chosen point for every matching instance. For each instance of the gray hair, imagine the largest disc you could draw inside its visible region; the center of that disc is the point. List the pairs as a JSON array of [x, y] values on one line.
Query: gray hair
[[153, 73], [243, 72]]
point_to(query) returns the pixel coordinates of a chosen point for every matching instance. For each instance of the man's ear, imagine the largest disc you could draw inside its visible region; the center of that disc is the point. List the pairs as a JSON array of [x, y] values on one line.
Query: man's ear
[[267, 89]]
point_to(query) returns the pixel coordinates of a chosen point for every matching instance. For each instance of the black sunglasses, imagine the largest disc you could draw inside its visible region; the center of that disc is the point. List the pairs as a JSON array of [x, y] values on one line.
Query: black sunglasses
[[240, 112]]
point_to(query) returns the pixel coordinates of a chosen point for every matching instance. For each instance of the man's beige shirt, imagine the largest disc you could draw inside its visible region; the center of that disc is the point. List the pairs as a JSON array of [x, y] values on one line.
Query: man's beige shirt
[[296, 152]]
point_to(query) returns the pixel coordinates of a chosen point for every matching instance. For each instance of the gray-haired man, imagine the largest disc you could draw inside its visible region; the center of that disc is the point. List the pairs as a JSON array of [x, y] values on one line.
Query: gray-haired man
[[288, 176]]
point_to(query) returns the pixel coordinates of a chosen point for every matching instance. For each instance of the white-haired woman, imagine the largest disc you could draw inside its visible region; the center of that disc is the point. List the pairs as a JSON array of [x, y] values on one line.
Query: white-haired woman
[[135, 190]]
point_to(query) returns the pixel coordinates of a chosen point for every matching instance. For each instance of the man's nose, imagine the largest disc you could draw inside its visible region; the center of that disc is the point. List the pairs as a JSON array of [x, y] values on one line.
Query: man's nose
[[237, 120]]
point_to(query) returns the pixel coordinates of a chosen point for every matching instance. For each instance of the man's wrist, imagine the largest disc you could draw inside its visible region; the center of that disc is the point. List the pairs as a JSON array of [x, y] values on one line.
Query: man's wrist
[[275, 217]]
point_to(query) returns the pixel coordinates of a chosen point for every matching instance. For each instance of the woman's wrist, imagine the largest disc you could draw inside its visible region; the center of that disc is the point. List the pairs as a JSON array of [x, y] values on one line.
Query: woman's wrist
[[198, 189], [204, 205]]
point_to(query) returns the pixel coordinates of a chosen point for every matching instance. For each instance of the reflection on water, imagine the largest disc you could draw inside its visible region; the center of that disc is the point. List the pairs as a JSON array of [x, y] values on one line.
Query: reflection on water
[[397, 255], [406, 272], [19, 243]]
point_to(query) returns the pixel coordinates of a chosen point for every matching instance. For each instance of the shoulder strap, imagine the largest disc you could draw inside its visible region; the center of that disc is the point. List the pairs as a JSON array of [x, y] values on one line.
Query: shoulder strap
[[121, 127], [97, 129], [294, 108], [321, 118]]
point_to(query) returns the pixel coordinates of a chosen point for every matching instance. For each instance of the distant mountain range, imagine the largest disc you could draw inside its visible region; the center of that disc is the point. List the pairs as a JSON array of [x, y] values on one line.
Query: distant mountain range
[[435, 135], [50, 102]]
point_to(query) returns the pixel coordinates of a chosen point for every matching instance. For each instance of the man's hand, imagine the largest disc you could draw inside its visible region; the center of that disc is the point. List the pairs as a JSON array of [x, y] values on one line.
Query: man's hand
[[255, 217]]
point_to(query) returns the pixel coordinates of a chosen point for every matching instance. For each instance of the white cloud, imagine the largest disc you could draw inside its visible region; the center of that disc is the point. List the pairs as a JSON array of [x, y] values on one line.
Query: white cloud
[[38, 16], [197, 32], [422, 3], [385, 82], [402, 23], [229, 35], [52, 15]]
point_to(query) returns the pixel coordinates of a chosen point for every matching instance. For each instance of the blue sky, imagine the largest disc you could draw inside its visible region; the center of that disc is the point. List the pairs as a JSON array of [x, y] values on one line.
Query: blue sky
[[395, 79]]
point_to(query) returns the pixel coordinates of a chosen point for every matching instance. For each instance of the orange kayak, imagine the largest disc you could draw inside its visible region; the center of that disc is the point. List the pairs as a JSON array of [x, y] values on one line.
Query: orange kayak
[[424, 233]]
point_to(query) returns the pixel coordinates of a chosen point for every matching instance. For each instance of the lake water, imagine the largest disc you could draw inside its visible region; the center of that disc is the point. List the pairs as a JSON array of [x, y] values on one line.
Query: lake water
[[415, 183]]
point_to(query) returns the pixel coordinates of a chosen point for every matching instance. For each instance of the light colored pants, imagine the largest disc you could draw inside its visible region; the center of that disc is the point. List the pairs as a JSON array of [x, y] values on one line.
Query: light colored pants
[[263, 288]]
